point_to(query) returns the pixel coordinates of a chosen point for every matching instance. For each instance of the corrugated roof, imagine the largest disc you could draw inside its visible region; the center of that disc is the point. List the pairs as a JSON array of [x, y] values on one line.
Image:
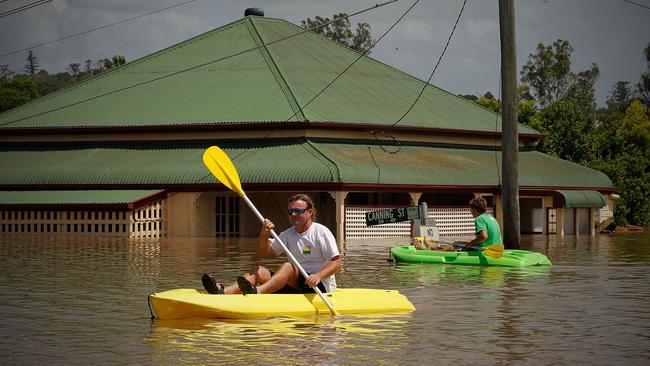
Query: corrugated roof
[[73, 197], [291, 161], [263, 85]]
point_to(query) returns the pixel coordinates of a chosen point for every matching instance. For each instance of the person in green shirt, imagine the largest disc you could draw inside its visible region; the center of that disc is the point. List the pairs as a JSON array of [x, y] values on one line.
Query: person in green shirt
[[487, 228], [488, 233]]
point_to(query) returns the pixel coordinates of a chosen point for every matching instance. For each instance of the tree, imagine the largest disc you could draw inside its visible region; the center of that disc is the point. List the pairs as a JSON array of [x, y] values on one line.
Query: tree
[[471, 97], [487, 100], [5, 73], [32, 65], [88, 67], [109, 63], [620, 97], [635, 126], [643, 86], [549, 76], [340, 30], [581, 91], [567, 131], [17, 91], [118, 60], [622, 151], [74, 69]]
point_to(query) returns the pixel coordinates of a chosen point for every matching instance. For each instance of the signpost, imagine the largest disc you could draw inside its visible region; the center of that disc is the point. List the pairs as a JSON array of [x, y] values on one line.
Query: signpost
[[392, 215]]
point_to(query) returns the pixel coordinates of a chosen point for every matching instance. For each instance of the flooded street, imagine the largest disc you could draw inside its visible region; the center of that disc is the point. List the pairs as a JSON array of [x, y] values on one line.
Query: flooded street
[[82, 300]]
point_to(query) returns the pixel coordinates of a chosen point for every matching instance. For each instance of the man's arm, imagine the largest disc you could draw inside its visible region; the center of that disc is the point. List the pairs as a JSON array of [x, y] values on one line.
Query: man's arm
[[481, 236], [263, 244], [331, 267]]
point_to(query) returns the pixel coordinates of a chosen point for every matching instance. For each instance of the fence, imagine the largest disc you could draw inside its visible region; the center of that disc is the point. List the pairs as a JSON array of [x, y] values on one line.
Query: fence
[[451, 221]]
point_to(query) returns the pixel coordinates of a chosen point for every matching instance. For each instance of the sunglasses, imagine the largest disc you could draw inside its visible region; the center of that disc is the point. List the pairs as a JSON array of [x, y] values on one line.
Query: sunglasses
[[297, 211]]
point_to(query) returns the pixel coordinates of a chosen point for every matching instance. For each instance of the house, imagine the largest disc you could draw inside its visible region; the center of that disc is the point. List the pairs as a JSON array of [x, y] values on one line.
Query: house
[[120, 153]]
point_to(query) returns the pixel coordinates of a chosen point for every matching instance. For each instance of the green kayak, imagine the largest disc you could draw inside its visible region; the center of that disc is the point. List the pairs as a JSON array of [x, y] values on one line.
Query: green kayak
[[510, 258]]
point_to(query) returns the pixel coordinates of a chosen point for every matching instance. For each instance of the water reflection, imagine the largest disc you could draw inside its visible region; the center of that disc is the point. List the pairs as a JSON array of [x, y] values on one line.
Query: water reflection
[[434, 274], [82, 300], [281, 340]]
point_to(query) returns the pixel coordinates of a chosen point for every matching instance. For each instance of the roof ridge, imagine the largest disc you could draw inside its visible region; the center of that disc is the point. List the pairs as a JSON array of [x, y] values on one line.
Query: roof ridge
[[277, 74]]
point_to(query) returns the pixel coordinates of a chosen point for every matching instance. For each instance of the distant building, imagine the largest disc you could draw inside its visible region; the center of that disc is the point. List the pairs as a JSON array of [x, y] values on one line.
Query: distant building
[[120, 153]]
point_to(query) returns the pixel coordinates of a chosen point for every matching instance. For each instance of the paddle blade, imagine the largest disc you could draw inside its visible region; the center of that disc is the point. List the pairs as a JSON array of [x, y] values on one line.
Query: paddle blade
[[222, 168], [494, 251]]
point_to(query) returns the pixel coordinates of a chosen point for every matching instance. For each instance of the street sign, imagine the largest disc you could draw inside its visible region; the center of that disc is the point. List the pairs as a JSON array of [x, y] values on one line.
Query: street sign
[[392, 215]]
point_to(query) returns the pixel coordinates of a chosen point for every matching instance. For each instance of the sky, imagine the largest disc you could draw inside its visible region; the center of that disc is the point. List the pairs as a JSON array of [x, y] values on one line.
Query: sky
[[610, 33]]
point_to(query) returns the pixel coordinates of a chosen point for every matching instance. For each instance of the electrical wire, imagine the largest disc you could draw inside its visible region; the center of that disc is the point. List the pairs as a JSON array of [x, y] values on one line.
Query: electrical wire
[[635, 3], [20, 9], [354, 62], [192, 67], [94, 29], [436, 67], [424, 86]]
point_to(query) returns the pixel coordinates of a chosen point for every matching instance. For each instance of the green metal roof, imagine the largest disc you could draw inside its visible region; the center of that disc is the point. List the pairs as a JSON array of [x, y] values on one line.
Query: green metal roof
[[582, 198], [288, 161], [267, 84], [73, 197]]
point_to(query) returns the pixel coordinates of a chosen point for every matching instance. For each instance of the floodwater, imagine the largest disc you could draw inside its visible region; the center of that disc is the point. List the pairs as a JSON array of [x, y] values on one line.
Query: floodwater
[[82, 300]]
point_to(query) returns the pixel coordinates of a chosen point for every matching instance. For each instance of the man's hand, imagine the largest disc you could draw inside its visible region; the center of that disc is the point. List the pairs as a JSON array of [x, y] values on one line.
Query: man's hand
[[313, 280], [267, 225]]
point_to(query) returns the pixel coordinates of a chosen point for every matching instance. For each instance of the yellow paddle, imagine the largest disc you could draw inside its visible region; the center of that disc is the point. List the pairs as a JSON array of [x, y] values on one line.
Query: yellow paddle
[[224, 170], [493, 250]]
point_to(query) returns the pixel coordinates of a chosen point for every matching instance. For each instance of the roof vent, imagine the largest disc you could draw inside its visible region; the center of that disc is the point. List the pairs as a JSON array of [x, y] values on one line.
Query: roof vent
[[254, 11]]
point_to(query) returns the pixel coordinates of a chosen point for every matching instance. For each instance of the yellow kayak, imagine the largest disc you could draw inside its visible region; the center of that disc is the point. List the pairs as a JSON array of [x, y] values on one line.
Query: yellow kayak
[[189, 303]]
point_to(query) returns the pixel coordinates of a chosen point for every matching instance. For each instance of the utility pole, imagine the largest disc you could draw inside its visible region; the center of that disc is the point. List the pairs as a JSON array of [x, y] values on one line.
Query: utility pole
[[509, 139]]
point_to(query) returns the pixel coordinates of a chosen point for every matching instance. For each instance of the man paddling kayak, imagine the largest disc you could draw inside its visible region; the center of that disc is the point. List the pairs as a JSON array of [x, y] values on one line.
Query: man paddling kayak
[[311, 243]]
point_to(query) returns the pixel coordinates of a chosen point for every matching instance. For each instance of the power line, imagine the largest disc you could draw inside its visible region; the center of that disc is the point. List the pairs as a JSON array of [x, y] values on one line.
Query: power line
[[436, 67], [194, 67], [23, 8], [94, 29], [637, 4], [355, 61]]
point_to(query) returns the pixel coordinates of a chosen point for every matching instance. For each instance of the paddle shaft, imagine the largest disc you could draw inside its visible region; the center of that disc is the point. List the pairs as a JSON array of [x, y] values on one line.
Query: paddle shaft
[[291, 257], [489, 250]]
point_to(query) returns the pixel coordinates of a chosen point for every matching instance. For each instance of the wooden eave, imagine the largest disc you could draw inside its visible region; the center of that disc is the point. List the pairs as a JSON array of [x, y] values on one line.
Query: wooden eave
[[249, 126]]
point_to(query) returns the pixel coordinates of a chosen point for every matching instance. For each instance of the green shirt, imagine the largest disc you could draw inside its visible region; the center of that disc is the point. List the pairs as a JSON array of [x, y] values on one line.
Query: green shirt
[[490, 224]]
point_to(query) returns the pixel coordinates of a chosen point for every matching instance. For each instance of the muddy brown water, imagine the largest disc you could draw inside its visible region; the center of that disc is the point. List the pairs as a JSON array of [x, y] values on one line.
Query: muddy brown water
[[82, 300]]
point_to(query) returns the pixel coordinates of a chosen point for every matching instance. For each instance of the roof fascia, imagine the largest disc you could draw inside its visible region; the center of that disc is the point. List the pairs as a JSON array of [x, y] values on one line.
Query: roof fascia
[[274, 125]]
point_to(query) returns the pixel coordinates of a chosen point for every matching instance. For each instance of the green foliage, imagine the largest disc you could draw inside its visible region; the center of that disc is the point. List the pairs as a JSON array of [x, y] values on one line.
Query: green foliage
[[47, 83], [17, 91], [32, 65], [567, 129], [471, 97], [549, 76], [487, 100], [340, 30], [622, 151], [635, 127], [620, 97], [525, 103]]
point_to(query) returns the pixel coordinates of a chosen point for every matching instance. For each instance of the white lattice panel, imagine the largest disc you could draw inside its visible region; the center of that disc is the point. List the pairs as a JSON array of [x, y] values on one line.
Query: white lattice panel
[[450, 221], [355, 226]]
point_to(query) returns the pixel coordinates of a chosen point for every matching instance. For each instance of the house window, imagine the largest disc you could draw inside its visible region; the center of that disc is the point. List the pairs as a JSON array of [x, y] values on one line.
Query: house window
[[227, 216]]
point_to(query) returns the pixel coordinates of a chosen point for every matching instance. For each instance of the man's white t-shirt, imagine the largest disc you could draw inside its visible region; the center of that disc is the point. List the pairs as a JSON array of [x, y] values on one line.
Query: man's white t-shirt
[[312, 249]]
